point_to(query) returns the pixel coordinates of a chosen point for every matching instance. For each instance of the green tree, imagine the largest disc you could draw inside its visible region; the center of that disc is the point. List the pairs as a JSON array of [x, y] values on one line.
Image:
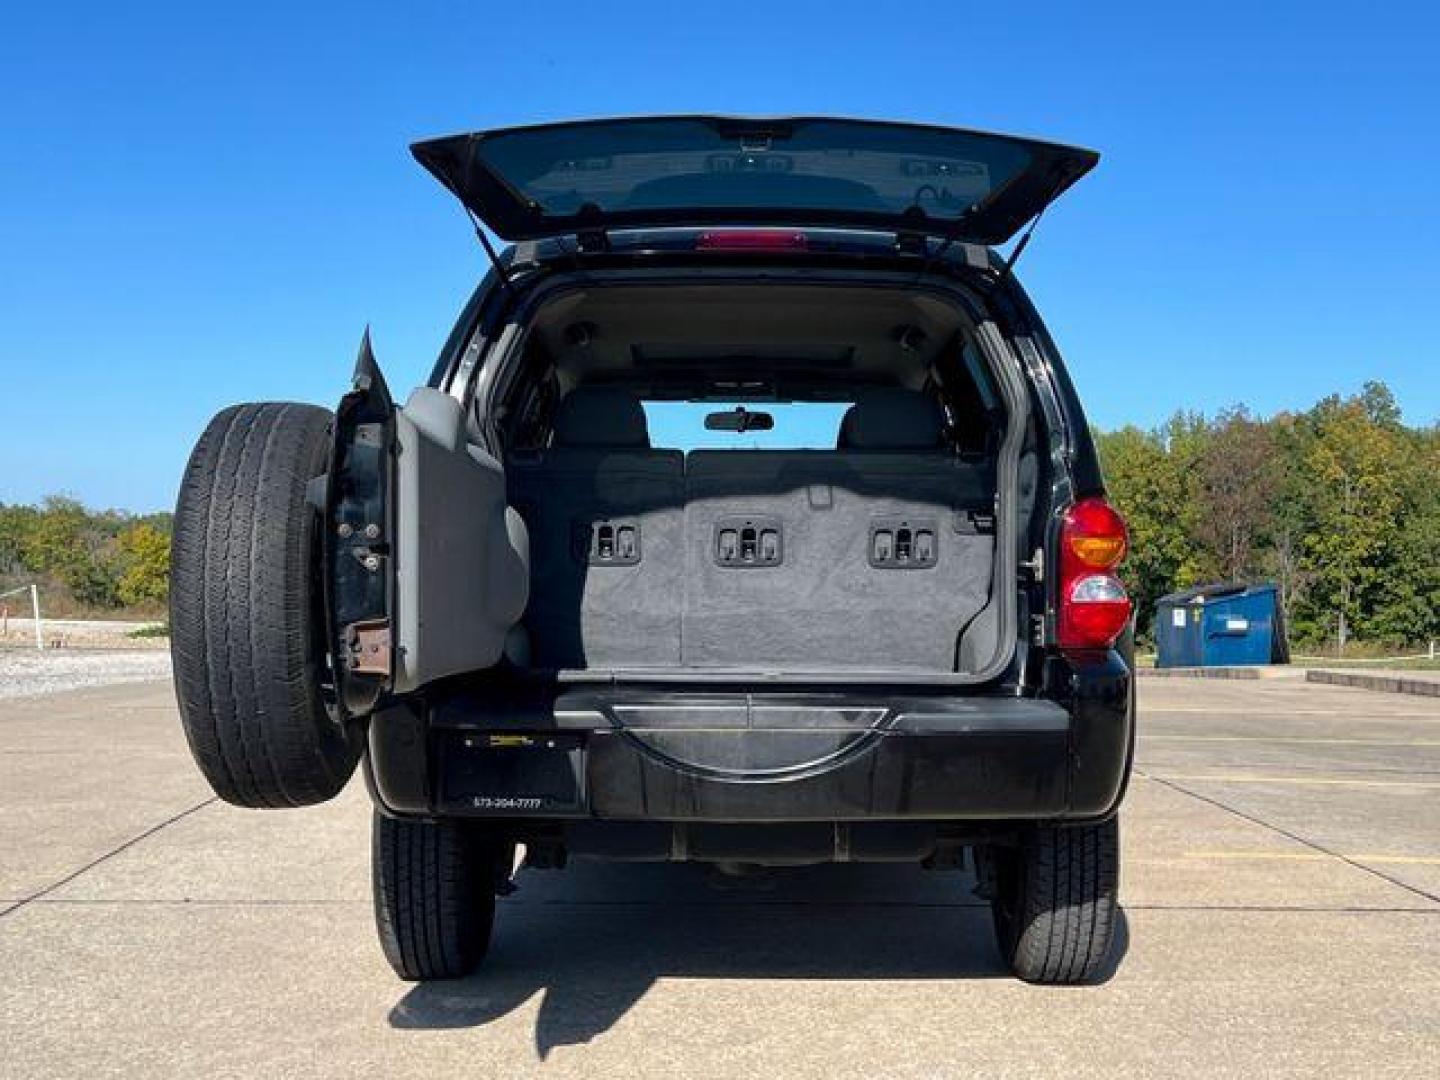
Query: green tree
[[145, 565], [1187, 437], [1284, 558], [17, 523], [75, 548], [1356, 462], [1236, 476], [1406, 601]]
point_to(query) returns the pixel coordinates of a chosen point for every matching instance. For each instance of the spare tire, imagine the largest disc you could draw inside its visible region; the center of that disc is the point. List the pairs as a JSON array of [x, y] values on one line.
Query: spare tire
[[247, 625]]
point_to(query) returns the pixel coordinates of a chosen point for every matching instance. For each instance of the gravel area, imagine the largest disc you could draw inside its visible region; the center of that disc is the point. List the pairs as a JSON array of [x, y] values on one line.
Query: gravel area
[[29, 672]]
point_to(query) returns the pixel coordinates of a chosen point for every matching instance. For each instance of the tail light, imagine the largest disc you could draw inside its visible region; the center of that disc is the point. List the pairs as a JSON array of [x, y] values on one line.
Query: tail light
[[1094, 606], [752, 240]]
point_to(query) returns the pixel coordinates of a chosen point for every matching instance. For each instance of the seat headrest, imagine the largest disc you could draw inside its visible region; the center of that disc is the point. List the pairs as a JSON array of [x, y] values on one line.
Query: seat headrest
[[892, 418], [601, 416]]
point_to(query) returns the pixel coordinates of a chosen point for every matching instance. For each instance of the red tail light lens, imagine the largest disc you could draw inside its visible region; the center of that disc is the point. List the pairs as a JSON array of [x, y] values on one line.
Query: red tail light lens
[[1095, 535], [752, 240], [1094, 606]]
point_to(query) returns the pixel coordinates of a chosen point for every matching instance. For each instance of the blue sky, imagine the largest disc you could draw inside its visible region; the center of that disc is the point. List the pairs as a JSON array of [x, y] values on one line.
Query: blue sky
[[200, 206]]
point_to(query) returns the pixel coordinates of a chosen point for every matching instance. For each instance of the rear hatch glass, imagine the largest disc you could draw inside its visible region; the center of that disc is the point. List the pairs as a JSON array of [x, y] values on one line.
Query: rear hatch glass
[[552, 179]]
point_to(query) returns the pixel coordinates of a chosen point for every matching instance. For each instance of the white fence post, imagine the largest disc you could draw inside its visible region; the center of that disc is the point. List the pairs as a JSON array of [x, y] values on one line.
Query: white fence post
[[35, 607]]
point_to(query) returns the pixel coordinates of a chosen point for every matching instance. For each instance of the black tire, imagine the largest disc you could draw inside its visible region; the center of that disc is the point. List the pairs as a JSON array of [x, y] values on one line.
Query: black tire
[[246, 611], [1056, 902], [434, 885]]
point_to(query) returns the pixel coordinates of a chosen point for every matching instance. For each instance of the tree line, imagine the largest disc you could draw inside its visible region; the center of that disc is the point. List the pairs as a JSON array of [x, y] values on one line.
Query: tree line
[[86, 562], [1338, 505]]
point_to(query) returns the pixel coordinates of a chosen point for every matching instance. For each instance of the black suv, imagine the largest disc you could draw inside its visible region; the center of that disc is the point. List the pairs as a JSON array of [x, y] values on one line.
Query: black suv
[[530, 626]]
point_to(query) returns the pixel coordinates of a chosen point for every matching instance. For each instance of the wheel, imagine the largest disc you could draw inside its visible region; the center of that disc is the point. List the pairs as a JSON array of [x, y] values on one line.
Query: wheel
[[1055, 901], [434, 885], [247, 627]]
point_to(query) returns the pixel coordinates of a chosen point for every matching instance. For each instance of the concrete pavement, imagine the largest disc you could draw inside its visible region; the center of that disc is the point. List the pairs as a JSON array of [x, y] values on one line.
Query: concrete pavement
[[1281, 891]]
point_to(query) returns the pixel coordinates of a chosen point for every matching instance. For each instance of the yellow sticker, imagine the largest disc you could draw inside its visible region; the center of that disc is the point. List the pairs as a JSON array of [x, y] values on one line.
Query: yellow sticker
[[502, 741]]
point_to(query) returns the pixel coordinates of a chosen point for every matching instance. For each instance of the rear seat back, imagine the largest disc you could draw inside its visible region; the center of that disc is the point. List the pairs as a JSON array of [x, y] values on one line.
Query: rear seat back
[[884, 547], [873, 556], [606, 521], [890, 419]]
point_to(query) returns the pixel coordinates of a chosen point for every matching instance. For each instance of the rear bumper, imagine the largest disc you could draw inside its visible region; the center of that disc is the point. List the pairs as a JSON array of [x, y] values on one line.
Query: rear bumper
[[896, 775], [760, 756]]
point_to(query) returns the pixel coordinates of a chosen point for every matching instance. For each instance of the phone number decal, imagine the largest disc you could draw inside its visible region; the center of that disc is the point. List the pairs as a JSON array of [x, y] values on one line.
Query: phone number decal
[[507, 802]]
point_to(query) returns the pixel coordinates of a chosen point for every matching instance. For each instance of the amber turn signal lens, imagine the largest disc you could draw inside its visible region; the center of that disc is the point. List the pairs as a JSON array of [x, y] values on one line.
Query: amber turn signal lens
[[1095, 534], [1098, 551]]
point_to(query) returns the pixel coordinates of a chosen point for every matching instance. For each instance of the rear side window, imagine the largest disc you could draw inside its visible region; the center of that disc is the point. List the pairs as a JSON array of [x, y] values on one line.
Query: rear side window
[[799, 425]]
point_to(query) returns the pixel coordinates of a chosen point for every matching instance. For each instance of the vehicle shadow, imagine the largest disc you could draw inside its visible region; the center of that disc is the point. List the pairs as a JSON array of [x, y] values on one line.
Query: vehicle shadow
[[596, 937]]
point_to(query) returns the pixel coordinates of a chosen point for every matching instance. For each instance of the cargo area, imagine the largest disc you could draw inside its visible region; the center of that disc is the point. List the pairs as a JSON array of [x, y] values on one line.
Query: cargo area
[[871, 548]]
